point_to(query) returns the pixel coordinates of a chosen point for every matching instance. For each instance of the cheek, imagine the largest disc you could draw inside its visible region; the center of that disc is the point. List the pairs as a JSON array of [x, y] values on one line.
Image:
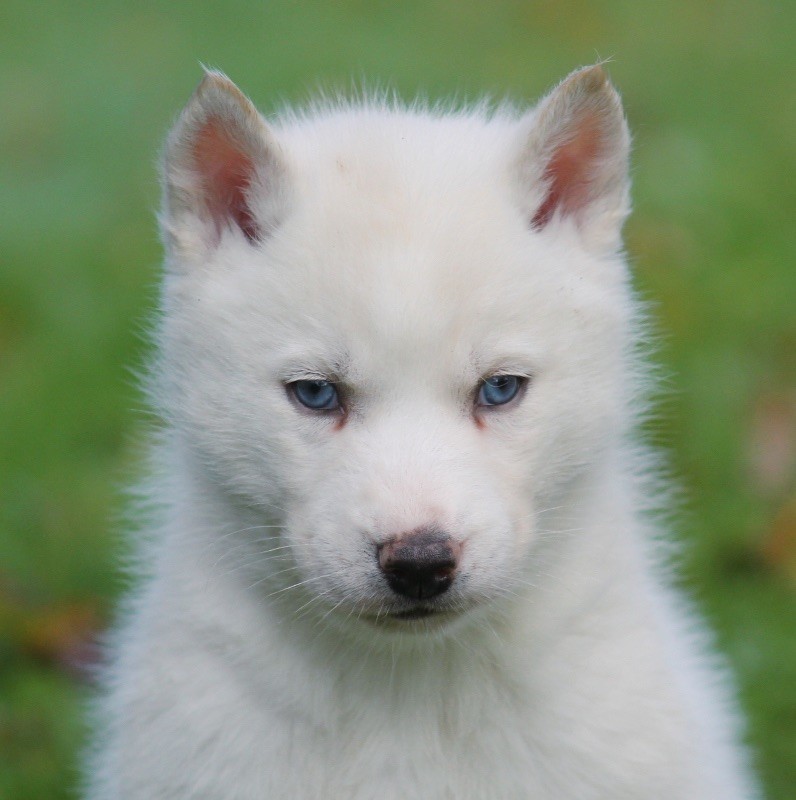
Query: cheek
[[512, 473], [510, 442]]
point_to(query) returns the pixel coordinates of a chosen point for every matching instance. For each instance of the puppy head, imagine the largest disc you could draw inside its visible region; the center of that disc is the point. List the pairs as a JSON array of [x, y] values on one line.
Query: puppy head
[[399, 333]]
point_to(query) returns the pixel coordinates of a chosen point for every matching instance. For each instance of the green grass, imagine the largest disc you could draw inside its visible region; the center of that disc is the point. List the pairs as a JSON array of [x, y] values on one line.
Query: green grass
[[88, 90]]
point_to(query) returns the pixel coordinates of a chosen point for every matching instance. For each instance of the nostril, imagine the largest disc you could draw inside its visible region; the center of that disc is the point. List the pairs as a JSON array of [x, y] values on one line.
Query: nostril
[[419, 565], [419, 581]]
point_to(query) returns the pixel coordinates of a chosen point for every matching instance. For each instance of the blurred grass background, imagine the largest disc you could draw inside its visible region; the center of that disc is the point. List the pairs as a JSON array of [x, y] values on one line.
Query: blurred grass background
[[87, 91]]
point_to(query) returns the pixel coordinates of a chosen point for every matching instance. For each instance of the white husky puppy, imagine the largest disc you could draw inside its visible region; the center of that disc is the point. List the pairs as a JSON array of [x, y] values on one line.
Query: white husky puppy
[[401, 547]]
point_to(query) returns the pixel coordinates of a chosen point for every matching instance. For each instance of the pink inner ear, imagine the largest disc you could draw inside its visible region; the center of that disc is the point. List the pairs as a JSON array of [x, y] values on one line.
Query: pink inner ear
[[226, 175], [570, 171]]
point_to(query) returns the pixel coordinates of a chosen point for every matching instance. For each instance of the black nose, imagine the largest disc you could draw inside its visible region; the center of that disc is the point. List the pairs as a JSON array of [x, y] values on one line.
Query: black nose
[[419, 565]]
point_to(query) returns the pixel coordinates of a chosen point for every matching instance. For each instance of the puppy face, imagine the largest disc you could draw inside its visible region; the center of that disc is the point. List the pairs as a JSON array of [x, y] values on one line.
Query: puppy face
[[398, 335]]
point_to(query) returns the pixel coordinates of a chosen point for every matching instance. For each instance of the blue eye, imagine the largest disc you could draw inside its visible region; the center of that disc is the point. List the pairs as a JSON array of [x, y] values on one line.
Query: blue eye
[[499, 390], [316, 395]]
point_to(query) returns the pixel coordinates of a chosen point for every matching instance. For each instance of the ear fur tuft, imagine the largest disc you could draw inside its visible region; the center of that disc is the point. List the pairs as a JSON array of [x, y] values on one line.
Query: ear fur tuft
[[575, 158], [220, 165]]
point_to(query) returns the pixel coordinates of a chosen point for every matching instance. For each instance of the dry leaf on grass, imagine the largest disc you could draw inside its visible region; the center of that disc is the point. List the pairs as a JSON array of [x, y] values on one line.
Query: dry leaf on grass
[[63, 635], [772, 442], [779, 546]]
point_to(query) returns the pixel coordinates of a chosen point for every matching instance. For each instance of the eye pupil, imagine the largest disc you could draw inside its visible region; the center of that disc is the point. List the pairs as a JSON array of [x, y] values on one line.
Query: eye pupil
[[499, 390], [316, 394]]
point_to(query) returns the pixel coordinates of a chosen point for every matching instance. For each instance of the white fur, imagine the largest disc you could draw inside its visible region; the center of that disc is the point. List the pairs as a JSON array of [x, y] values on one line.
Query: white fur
[[397, 256]]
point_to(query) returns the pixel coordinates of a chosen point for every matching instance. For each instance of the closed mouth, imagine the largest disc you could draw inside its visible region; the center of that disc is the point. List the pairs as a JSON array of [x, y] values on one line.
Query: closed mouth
[[414, 613], [418, 618]]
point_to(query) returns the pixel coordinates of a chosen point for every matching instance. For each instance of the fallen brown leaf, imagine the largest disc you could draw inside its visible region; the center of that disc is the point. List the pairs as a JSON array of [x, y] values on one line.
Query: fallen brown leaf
[[779, 546], [772, 442]]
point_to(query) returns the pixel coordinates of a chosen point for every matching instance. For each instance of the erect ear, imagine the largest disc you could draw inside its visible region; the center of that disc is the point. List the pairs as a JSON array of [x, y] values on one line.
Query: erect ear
[[222, 170], [574, 163]]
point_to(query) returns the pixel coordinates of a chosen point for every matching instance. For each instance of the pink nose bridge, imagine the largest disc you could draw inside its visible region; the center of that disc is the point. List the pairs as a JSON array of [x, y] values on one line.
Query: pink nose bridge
[[412, 509], [421, 564]]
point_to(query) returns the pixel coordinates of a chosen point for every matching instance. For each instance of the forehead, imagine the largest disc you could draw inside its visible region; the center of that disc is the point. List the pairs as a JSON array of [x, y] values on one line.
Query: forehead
[[406, 242], [427, 297], [402, 214], [400, 291], [369, 145]]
